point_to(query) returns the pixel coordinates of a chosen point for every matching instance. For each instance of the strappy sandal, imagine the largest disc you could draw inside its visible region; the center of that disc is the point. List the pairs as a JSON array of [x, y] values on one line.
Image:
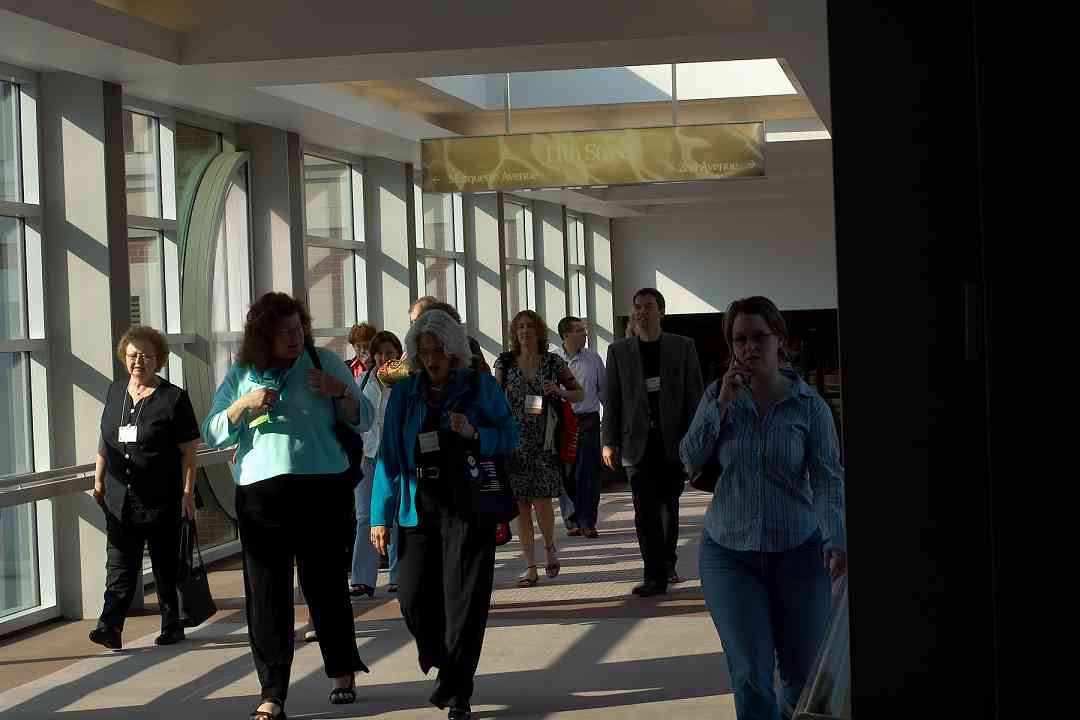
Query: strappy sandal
[[527, 582], [344, 695], [552, 568], [258, 714]]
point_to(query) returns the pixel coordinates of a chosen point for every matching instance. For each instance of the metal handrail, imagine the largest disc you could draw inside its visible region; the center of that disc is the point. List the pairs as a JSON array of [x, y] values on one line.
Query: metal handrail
[[827, 694], [30, 487]]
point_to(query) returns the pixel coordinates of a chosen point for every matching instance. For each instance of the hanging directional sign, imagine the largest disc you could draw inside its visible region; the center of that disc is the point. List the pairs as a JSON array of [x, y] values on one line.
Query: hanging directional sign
[[594, 157]]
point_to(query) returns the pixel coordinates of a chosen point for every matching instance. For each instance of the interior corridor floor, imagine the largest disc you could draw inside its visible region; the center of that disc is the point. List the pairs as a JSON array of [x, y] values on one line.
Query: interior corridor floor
[[578, 646]]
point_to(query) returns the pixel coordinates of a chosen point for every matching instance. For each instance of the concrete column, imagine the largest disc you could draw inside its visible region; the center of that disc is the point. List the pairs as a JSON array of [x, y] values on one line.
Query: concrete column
[[483, 272], [386, 230], [549, 230], [275, 185], [599, 283], [87, 287]]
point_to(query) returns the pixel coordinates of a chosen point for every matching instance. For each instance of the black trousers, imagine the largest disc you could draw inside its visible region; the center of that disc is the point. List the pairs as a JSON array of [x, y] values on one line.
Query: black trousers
[[657, 484], [124, 562], [301, 518], [446, 568]]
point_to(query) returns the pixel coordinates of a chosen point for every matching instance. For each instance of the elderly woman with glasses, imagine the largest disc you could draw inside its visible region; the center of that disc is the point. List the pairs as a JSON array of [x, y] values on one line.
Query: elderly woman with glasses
[[446, 560], [144, 479]]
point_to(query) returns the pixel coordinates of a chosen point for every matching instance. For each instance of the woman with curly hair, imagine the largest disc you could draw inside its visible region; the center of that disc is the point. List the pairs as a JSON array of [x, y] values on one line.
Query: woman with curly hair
[[293, 478]]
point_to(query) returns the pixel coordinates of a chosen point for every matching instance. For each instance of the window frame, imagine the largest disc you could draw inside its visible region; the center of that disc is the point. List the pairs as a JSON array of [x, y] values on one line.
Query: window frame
[[457, 255], [33, 346], [357, 245], [577, 273], [528, 262], [167, 226]]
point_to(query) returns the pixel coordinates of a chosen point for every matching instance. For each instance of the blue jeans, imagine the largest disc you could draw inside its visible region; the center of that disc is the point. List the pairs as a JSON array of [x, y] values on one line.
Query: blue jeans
[[770, 611], [365, 559]]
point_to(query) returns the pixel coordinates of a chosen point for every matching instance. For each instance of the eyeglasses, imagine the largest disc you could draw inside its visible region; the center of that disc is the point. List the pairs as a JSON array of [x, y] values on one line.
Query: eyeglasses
[[430, 353], [132, 357], [757, 338]]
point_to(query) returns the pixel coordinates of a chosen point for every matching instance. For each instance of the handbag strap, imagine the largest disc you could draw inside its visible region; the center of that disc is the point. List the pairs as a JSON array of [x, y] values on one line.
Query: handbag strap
[[191, 527], [314, 355]]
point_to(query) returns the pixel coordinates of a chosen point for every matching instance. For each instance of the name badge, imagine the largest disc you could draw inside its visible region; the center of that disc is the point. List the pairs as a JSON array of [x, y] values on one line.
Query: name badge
[[429, 442], [534, 404], [652, 384], [129, 433]]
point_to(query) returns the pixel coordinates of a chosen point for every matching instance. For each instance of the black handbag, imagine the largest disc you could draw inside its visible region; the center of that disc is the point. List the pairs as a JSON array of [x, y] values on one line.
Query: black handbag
[[192, 586], [479, 487], [706, 478], [351, 442]]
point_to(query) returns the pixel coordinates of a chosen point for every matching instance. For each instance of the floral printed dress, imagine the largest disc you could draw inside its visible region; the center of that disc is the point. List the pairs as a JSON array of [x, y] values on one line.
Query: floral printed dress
[[533, 472]]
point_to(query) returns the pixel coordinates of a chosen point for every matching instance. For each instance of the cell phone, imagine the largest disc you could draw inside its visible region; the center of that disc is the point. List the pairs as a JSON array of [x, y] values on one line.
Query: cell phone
[[745, 377]]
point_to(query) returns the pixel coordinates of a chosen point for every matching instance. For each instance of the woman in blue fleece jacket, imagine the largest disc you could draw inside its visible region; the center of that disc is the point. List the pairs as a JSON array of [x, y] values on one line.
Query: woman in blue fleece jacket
[[446, 562]]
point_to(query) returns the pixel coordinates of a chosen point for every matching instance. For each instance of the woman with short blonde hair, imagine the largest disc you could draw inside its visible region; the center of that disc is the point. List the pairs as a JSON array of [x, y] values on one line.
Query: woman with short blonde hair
[[144, 480]]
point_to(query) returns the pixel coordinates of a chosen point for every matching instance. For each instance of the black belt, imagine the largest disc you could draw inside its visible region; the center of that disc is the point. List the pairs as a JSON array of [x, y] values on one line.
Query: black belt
[[587, 414], [428, 473]]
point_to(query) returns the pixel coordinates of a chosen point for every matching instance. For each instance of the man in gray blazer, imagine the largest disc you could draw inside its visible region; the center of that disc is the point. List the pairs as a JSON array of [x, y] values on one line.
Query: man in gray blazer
[[651, 392]]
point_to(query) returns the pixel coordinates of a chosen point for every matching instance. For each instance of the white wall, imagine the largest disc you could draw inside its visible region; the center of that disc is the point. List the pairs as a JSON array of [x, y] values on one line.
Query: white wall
[[702, 260]]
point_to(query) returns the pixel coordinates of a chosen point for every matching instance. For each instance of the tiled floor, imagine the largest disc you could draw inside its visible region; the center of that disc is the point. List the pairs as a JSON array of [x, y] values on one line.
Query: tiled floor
[[577, 646]]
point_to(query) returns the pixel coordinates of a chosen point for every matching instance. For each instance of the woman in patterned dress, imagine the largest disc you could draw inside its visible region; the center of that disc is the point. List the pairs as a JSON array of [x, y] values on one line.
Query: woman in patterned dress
[[532, 377]]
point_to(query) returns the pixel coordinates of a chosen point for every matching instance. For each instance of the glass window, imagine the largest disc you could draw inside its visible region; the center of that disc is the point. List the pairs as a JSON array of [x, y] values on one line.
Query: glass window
[[519, 279], [328, 191], [141, 165], [216, 527], [9, 142], [331, 283], [575, 241], [195, 148], [15, 439], [231, 278], [12, 280], [440, 278], [518, 241], [18, 559], [438, 222], [339, 344], [146, 273], [579, 306]]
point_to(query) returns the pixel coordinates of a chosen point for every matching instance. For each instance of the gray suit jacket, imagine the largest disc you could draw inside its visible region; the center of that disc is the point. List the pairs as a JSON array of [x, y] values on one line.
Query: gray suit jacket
[[626, 403]]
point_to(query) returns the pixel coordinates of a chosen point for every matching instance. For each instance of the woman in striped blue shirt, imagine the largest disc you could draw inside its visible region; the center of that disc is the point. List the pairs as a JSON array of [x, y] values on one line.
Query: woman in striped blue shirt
[[774, 533]]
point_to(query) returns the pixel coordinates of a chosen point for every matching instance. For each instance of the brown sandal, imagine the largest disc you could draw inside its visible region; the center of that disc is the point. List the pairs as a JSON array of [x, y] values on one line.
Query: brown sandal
[[527, 582]]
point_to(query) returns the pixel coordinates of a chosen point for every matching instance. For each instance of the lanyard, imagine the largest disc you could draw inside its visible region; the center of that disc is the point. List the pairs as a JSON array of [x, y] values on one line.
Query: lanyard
[[123, 407]]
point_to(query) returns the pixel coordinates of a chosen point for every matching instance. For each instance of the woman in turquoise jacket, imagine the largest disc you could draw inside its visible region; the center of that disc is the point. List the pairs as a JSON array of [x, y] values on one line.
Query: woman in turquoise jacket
[[446, 562], [292, 478]]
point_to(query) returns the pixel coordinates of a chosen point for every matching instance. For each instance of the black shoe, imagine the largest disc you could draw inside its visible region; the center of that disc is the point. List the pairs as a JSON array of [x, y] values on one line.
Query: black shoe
[[170, 637], [649, 588], [357, 591], [344, 695], [459, 714], [109, 637], [257, 714], [673, 577]]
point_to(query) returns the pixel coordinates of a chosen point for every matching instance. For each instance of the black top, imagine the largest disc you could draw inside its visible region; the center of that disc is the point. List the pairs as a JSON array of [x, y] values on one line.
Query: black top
[[432, 492], [143, 479], [650, 366]]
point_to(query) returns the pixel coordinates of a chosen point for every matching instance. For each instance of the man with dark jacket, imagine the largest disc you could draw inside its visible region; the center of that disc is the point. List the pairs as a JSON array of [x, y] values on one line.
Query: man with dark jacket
[[652, 390]]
